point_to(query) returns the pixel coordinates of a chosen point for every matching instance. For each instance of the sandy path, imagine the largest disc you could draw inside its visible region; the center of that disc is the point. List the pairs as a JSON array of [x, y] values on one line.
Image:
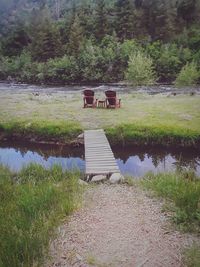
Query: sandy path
[[118, 226]]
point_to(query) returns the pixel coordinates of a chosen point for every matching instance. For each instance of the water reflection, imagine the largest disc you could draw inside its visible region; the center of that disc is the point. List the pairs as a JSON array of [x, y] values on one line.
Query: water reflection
[[137, 161], [18, 155], [134, 161]]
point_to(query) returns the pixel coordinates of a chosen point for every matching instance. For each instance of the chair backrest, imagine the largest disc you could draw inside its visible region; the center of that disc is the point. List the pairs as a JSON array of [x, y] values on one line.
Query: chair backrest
[[111, 97], [89, 96], [88, 92]]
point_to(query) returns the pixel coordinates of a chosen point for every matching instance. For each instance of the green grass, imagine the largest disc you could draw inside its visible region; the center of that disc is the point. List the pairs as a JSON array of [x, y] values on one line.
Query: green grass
[[33, 203], [42, 130], [192, 256], [182, 190], [159, 134], [142, 118]]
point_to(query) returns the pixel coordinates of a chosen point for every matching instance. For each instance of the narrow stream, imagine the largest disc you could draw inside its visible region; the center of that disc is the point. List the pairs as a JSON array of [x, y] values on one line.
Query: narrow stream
[[134, 161]]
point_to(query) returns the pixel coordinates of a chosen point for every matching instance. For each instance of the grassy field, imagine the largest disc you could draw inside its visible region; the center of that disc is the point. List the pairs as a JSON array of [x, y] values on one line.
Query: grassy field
[[33, 203], [174, 115]]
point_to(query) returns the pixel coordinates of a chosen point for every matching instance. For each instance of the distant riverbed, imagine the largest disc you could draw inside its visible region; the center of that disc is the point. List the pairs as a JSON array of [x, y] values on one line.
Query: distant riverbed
[[156, 89]]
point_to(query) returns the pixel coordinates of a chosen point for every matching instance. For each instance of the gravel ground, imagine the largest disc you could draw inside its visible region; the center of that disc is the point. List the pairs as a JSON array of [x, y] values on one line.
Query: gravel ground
[[118, 226]]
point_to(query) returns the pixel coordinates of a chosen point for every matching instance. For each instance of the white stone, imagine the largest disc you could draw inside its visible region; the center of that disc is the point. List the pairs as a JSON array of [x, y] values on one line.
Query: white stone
[[116, 178], [81, 182], [98, 178], [81, 136]]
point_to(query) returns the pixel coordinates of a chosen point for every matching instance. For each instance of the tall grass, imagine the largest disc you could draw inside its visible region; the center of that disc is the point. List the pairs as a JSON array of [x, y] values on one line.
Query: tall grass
[[32, 204], [183, 190]]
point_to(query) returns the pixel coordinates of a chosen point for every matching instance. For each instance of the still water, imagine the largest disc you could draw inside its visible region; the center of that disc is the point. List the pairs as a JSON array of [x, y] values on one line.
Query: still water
[[134, 161]]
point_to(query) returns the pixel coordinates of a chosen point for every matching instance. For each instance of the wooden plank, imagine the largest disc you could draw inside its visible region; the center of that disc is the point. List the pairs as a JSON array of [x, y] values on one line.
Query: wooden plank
[[98, 154]]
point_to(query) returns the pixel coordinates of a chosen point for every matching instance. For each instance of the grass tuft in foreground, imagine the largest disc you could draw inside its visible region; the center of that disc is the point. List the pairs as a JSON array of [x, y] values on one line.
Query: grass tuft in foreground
[[33, 202], [183, 190]]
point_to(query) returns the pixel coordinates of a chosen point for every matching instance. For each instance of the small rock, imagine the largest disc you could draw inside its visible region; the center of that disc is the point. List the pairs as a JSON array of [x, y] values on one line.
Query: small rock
[[98, 178], [79, 258], [116, 178], [81, 136], [81, 182]]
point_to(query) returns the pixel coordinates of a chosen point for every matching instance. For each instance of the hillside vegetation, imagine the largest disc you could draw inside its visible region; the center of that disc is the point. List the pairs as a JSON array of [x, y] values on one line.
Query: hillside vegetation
[[61, 41]]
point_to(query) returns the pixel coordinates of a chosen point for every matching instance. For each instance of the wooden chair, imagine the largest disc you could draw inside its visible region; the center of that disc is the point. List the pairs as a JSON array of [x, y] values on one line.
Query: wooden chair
[[88, 99], [111, 99]]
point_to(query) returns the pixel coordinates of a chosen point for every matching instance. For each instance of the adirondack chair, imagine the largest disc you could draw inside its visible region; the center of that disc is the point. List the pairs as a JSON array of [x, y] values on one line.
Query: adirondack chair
[[89, 99], [111, 99]]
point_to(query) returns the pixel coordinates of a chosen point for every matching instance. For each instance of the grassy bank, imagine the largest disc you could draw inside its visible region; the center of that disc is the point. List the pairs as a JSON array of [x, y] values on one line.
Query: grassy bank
[[127, 134], [124, 134], [37, 131], [143, 118], [33, 202], [182, 192]]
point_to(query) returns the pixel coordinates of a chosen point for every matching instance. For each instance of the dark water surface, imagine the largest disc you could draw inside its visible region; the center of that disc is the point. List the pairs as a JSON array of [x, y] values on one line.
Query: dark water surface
[[134, 161]]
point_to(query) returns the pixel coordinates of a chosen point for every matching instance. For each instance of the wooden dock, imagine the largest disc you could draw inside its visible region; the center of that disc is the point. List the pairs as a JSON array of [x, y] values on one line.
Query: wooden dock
[[99, 157]]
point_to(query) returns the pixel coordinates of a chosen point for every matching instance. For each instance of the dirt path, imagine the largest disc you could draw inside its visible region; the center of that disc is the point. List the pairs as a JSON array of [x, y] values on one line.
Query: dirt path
[[118, 226]]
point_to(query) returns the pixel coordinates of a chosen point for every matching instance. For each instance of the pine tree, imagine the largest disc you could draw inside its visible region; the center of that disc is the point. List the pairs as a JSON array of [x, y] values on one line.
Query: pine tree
[[101, 23], [46, 40], [124, 19], [75, 37]]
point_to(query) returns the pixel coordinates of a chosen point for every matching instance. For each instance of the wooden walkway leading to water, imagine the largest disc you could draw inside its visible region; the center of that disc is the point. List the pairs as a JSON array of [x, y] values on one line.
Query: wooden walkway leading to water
[[99, 157]]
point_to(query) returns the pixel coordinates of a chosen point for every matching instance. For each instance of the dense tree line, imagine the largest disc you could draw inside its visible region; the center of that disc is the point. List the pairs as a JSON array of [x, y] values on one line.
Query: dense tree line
[[82, 41]]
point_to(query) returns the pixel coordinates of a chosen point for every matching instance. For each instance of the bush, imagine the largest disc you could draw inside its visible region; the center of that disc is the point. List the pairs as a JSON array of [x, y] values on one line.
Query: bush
[[168, 64], [19, 67], [140, 69], [188, 75], [60, 69], [91, 62]]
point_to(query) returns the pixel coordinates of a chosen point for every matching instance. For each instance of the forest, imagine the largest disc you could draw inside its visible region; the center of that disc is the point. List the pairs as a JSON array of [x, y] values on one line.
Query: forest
[[100, 41]]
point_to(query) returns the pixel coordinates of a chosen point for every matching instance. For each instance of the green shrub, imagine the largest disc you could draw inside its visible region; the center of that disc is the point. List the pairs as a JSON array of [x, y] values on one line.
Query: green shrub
[[168, 59], [91, 62], [19, 67], [140, 69], [188, 75], [169, 63], [32, 204]]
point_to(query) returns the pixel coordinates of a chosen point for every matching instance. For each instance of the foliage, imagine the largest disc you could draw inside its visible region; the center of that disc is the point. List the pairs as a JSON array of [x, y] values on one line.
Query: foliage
[[188, 75], [168, 59], [168, 64], [16, 67], [140, 69], [183, 189], [32, 204], [61, 30]]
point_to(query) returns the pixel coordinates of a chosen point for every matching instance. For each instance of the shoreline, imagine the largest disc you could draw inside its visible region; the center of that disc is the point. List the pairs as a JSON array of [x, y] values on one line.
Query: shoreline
[[165, 140]]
